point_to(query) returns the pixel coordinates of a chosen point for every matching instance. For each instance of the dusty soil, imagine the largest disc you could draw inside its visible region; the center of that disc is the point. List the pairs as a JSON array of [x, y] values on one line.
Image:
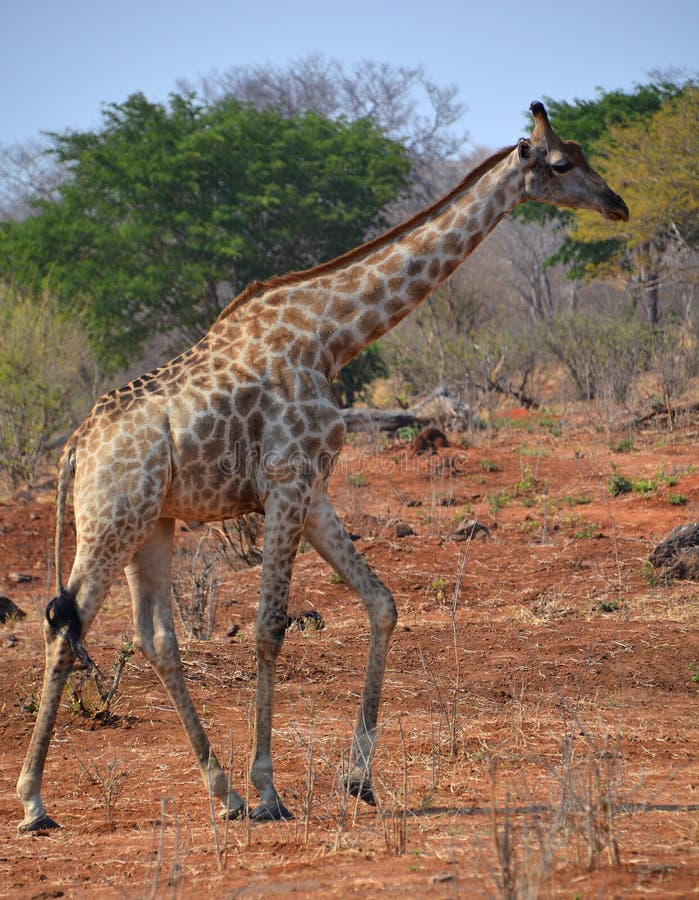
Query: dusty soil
[[539, 727]]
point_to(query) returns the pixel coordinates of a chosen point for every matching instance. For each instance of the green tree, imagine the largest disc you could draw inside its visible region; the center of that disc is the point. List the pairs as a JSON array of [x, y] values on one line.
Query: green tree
[[170, 209], [355, 378], [654, 163], [588, 121]]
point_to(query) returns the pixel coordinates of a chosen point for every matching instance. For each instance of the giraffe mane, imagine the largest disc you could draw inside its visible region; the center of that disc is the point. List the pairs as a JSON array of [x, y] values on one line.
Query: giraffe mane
[[256, 288]]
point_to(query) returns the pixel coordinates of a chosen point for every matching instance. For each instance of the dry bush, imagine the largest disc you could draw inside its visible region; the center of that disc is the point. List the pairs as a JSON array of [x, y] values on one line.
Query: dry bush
[[236, 541], [44, 379], [108, 781], [194, 589]]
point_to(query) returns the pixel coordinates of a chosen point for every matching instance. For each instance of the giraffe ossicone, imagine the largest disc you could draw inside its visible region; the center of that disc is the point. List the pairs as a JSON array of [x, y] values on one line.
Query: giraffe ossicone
[[246, 421]]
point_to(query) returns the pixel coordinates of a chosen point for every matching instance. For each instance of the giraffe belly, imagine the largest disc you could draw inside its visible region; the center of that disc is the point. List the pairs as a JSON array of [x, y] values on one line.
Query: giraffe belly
[[205, 496]]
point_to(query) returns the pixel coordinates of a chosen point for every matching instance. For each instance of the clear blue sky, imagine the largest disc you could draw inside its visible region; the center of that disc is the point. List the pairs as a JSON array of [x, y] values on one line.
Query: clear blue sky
[[60, 60]]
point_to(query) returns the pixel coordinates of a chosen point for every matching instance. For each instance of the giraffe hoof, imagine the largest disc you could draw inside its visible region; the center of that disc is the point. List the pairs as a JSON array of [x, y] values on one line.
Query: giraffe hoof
[[45, 823], [361, 788], [235, 815], [277, 812]]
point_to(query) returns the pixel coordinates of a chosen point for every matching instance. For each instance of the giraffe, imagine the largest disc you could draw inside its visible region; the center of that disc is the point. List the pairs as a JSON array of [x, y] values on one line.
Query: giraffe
[[246, 421]]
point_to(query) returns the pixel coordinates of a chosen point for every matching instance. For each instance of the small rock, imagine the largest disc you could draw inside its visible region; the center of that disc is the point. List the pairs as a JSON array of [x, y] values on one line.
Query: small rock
[[403, 530], [683, 537], [10, 610], [20, 577], [369, 524], [429, 440], [678, 554], [468, 530], [685, 565], [307, 621], [310, 621]]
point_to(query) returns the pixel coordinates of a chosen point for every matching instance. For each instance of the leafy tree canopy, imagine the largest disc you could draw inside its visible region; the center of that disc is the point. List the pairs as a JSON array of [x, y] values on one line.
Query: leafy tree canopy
[[588, 121], [168, 203], [654, 163]]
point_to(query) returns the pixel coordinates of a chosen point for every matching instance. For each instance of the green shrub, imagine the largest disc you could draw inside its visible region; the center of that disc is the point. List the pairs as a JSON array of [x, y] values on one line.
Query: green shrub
[[619, 484]]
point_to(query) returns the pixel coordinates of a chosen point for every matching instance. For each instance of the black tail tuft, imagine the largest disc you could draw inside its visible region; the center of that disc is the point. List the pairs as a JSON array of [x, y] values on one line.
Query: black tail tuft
[[62, 616]]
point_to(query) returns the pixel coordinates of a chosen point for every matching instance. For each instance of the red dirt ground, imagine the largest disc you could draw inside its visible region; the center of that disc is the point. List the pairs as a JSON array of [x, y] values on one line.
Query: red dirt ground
[[540, 690]]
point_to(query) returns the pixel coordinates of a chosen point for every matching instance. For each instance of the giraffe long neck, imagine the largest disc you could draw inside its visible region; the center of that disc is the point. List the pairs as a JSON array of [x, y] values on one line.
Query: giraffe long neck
[[364, 299]]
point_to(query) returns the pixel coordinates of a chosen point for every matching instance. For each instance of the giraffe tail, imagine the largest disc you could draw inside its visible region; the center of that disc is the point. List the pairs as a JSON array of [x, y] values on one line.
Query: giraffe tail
[[62, 611], [66, 469]]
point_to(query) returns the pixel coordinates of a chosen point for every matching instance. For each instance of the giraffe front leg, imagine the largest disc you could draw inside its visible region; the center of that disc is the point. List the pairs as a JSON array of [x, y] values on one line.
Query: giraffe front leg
[[284, 514], [328, 536]]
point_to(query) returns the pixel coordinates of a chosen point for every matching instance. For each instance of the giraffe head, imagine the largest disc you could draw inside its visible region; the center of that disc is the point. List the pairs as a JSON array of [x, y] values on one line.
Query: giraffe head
[[558, 173]]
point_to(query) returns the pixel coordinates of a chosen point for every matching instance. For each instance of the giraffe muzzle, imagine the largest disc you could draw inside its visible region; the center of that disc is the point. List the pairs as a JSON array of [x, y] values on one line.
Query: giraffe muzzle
[[614, 208]]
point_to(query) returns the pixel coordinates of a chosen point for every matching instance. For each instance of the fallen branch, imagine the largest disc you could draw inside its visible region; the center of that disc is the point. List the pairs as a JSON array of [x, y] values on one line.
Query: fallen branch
[[380, 419]]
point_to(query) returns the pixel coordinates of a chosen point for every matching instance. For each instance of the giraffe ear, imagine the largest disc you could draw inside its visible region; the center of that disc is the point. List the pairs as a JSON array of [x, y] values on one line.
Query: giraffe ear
[[524, 150]]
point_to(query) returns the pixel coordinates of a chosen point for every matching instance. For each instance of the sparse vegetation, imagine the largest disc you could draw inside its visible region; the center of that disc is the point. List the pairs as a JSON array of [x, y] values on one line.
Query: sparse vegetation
[[477, 670], [621, 484]]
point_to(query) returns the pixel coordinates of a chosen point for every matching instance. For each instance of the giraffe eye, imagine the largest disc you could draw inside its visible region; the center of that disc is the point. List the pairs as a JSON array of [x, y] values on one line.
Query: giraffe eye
[[560, 167]]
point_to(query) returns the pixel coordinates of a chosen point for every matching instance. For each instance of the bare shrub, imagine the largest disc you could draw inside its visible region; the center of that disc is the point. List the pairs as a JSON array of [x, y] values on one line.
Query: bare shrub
[[601, 353], [163, 880], [194, 588], [449, 342], [523, 852], [589, 784], [675, 364], [236, 541], [90, 693], [394, 819], [108, 780], [580, 815]]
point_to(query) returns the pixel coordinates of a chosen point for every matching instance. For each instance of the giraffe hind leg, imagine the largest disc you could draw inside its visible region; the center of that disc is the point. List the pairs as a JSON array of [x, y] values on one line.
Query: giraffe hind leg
[[68, 618], [62, 617], [65, 621], [148, 576]]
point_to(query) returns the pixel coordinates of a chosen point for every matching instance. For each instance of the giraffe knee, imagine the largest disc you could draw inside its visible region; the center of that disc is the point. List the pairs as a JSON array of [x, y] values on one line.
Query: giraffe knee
[[144, 645], [158, 647]]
